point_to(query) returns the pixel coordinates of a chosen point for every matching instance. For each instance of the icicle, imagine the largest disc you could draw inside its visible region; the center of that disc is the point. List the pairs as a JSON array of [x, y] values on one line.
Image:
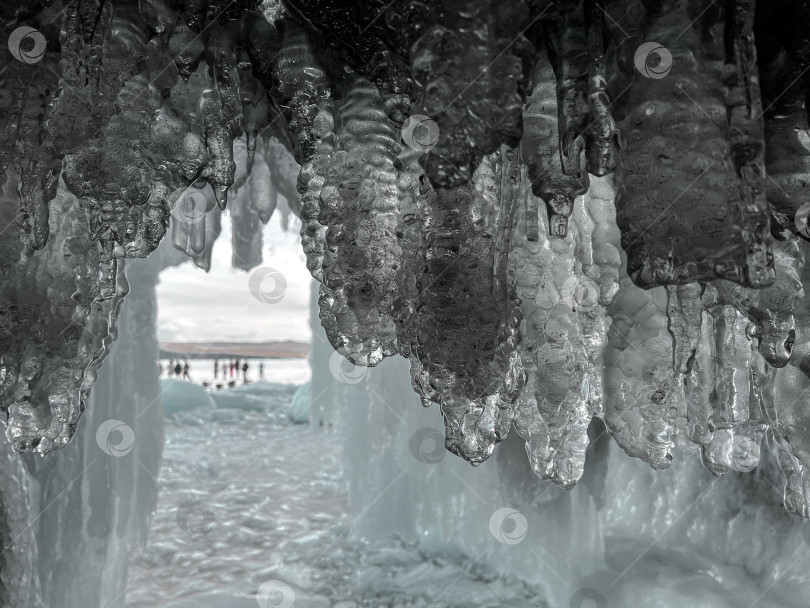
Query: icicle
[[411, 189], [189, 209], [359, 205], [747, 140], [301, 85], [771, 308], [187, 49], [600, 203], [541, 151], [465, 323], [254, 106], [679, 205], [685, 314], [221, 109], [601, 136], [644, 398], [730, 402], [700, 379], [597, 276], [66, 314], [464, 77], [246, 233], [568, 54], [263, 193], [555, 407]]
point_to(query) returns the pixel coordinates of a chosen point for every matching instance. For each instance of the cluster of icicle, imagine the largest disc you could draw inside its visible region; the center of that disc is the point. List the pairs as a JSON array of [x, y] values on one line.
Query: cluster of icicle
[[127, 115], [540, 263]]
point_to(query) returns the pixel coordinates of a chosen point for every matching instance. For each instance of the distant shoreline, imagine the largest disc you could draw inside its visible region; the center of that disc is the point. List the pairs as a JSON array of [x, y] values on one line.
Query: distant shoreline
[[288, 349]]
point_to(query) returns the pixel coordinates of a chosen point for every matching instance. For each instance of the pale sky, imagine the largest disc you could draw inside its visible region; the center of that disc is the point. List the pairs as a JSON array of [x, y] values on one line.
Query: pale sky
[[195, 306]]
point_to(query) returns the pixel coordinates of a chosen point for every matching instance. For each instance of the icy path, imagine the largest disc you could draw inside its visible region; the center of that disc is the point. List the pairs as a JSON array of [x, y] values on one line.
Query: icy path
[[247, 498]]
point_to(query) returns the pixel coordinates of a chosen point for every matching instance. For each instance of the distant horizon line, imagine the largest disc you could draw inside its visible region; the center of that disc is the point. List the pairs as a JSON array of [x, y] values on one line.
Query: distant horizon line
[[224, 341]]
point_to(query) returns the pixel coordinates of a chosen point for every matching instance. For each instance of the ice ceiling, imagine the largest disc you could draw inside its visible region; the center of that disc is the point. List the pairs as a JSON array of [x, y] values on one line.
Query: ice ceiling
[[555, 209]]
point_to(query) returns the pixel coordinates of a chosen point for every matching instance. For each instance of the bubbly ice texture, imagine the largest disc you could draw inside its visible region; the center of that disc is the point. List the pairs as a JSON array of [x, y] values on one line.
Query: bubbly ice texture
[[359, 204], [665, 303]]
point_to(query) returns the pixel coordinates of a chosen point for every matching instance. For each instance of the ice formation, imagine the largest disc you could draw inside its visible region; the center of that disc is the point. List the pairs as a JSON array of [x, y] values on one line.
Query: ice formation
[[556, 210]]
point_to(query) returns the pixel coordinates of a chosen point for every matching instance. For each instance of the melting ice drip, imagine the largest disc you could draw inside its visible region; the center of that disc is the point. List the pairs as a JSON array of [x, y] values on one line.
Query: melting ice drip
[[668, 302]]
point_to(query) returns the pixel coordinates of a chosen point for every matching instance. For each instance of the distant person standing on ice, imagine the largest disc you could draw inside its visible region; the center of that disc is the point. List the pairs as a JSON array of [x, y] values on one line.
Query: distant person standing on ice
[[244, 371], [178, 369], [216, 368], [231, 369], [261, 370], [185, 371]]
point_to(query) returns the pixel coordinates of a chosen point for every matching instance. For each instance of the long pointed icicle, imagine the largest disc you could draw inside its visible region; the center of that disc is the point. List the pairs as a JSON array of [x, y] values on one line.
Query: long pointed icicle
[[568, 52], [302, 87], [360, 207], [553, 410], [732, 361], [685, 314], [540, 147], [467, 306], [747, 140]]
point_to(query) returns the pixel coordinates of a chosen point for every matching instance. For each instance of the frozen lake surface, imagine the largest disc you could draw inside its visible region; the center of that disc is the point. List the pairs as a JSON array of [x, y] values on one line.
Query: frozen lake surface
[[250, 502]]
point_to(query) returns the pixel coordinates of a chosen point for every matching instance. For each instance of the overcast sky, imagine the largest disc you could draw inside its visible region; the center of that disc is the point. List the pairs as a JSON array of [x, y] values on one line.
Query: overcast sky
[[195, 306]]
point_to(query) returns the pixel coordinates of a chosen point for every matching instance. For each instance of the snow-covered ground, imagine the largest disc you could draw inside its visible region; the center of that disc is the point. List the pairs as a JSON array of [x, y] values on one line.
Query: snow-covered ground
[[253, 511]]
